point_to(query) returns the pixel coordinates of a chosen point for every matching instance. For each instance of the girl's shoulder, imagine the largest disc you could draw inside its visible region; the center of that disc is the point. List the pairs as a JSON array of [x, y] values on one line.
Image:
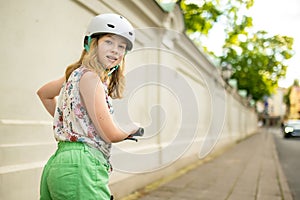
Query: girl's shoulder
[[89, 76], [80, 71], [84, 71]]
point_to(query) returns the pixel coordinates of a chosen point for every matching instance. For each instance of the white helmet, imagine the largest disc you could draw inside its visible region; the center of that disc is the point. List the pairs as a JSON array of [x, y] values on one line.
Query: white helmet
[[111, 23]]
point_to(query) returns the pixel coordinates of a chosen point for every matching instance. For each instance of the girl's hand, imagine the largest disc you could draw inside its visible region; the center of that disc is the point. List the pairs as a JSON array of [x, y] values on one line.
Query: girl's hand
[[48, 92], [130, 128], [138, 133]]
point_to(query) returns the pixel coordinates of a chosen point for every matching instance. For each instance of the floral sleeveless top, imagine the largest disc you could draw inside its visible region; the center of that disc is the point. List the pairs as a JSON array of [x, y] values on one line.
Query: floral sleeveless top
[[71, 120]]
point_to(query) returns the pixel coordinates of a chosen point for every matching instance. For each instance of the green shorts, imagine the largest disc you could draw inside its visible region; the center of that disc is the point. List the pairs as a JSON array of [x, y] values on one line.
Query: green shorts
[[76, 172]]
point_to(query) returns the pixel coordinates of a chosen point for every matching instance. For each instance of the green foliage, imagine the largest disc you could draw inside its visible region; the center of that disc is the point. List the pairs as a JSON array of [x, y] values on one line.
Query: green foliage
[[257, 62], [199, 19], [257, 58], [296, 82]]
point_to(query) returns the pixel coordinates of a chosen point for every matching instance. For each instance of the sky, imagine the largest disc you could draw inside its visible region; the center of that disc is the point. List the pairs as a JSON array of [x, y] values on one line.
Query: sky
[[281, 17]]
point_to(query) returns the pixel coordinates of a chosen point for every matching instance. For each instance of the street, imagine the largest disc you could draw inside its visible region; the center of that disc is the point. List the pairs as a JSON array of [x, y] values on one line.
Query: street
[[288, 154]]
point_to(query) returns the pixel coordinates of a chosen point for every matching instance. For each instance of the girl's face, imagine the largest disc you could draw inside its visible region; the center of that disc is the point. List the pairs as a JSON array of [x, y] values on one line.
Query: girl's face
[[111, 50]]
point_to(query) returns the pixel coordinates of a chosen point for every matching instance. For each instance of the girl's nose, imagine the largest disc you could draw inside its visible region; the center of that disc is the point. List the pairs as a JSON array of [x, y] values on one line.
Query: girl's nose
[[114, 49]]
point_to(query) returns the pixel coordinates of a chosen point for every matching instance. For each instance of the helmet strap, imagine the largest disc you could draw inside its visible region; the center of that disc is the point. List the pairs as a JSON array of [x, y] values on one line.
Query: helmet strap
[[113, 69], [87, 46]]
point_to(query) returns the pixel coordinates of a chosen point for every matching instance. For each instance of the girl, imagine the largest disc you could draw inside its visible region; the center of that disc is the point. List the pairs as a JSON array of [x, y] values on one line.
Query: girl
[[83, 125]]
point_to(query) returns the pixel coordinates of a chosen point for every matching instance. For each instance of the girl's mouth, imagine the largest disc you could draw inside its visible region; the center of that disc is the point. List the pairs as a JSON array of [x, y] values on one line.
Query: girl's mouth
[[112, 58]]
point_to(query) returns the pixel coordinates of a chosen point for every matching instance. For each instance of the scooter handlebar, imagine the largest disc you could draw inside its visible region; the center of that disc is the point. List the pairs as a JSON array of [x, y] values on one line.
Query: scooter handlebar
[[138, 133]]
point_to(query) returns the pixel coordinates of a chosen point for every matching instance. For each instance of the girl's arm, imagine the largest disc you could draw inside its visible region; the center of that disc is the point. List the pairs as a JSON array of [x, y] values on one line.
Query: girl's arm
[[93, 94], [48, 92]]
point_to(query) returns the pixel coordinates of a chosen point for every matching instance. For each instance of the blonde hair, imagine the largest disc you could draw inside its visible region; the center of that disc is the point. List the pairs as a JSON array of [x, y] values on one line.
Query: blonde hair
[[89, 59]]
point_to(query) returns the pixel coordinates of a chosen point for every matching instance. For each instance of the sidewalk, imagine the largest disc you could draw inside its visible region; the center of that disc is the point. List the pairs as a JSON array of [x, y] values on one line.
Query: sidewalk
[[250, 170]]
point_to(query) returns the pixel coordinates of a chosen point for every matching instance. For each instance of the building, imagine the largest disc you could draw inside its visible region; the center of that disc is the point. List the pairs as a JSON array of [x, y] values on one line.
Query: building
[[273, 109], [294, 111]]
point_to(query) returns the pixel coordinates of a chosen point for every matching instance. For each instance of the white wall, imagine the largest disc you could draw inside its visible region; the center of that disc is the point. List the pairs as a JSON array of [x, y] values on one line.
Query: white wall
[[38, 39], [173, 90]]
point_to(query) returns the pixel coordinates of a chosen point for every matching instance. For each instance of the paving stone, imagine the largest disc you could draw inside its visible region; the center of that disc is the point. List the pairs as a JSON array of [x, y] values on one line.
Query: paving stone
[[248, 171]]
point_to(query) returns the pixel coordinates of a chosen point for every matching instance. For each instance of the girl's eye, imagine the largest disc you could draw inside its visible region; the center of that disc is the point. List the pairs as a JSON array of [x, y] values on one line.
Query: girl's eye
[[108, 41], [122, 47]]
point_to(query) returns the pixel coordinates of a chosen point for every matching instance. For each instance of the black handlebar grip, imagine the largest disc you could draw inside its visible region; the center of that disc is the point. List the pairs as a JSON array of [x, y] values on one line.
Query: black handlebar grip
[[139, 132]]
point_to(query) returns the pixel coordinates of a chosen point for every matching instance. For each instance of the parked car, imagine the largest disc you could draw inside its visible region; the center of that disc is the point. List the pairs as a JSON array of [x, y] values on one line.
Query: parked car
[[291, 128]]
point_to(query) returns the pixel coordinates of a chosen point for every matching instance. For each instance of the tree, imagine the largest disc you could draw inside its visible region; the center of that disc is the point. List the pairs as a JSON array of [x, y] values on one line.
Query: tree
[[296, 82], [200, 19], [257, 58], [258, 62]]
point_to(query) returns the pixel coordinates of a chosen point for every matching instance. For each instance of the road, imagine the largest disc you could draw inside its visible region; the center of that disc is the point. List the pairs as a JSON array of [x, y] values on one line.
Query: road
[[289, 157]]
